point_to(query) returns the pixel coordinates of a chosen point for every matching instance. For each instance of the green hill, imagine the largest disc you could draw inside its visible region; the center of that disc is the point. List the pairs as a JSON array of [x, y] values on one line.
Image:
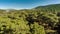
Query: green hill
[[56, 6], [52, 7]]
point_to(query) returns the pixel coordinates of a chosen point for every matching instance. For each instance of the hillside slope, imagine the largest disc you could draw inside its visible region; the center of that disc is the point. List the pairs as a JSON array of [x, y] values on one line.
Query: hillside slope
[[49, 7]]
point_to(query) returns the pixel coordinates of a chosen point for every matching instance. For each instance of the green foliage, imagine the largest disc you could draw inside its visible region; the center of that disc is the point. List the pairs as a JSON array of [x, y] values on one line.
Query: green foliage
[[37, 29], [41, 20]]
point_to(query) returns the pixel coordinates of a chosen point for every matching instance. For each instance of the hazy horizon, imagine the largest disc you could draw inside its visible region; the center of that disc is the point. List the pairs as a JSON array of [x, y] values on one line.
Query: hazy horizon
[[25, 4]]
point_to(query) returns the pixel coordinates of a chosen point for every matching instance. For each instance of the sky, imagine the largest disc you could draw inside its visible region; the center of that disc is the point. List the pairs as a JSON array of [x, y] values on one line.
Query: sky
[[25, 4]]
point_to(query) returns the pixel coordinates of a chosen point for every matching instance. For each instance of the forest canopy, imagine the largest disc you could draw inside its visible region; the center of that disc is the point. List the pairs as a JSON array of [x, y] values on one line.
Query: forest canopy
[[39, 20]]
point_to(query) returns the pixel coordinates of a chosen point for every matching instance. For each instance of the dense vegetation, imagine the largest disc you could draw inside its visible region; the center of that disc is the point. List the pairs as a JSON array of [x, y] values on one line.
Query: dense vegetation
[[40, 20]]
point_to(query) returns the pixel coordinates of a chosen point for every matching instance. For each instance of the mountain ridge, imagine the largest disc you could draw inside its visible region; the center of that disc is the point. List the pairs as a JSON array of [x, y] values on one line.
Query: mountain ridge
[[49, 6]]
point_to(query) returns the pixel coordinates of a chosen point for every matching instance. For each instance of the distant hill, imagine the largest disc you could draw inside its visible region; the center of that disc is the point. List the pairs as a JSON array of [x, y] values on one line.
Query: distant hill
[[53, 6]]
